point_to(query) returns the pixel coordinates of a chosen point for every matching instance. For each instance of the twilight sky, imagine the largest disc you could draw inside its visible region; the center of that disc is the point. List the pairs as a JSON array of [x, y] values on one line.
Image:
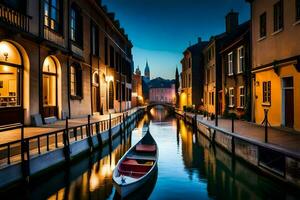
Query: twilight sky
[[161, 29]]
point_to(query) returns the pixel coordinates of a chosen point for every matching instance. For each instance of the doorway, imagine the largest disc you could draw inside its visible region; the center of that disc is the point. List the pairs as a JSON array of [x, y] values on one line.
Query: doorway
[[288, 102], [49, 88]]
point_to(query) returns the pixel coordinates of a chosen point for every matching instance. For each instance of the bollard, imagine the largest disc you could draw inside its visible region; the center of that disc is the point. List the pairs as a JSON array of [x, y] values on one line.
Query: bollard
[[25, 156], [232, 124], [266, 125], [66, 141], [89, 133]]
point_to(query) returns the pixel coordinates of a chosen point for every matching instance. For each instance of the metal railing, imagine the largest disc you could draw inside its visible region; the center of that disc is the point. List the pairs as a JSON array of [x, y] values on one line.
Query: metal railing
[[271, 158], [27, 147], [14, 18]]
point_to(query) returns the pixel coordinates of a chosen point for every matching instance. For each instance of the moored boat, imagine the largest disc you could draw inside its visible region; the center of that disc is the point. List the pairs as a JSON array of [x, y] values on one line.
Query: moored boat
[[137, 165]]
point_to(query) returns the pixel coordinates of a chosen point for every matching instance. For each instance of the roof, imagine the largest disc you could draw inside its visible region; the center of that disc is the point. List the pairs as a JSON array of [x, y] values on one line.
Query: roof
[[196, 47], [161, 83]]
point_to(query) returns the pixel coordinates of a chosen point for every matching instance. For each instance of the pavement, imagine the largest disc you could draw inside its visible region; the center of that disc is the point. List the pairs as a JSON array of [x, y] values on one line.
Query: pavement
[[276, 136], [14, 135]]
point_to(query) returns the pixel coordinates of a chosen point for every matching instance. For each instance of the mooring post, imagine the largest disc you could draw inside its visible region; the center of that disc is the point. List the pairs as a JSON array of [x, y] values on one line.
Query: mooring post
[[66, 140], [90, 141], [266, 125], [232, 124], [25, 155]]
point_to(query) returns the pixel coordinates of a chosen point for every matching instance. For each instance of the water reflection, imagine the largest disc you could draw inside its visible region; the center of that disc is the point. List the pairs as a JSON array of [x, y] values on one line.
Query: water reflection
[[189, 167]]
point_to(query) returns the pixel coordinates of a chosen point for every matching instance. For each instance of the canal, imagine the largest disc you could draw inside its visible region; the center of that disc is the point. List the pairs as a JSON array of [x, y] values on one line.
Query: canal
[[189, 167]]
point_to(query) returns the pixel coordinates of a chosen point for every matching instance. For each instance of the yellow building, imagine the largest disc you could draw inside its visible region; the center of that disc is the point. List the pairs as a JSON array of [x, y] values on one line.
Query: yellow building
[[276, 62]]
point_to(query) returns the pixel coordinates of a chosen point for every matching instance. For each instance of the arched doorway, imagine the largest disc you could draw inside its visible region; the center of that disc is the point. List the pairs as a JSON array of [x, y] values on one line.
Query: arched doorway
[[111, 95], [96, 93], [50, 88], [11, 84]]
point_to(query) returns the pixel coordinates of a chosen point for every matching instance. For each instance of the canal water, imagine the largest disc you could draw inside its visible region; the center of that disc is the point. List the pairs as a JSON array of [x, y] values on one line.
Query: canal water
[[189, 167]]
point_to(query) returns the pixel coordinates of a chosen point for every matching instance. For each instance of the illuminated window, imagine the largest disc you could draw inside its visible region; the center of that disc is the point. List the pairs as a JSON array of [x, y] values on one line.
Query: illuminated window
[[230, 64], [231, 97], [9, 90], [241, 61], [278, 16], [52, 17], [267, 92]]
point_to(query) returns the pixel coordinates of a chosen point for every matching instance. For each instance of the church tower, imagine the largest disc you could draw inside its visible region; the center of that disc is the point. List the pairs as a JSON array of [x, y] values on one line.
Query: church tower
[[147, 71]]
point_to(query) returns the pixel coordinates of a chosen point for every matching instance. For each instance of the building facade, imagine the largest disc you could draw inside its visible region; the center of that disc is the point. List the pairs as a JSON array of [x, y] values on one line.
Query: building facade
[[192, 75], [276, 61], [163, 91], [137, 92], [236, 73], [61, 58]]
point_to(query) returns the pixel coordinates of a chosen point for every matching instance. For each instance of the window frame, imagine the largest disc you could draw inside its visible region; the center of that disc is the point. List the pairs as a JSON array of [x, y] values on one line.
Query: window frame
[[76, 26], [278, 16], [48, 18], [242, 97], [263, 25], [241, 60], [95, 49], [231, 97], [297, 10], [77, 83], [230, 63], [266, 93]]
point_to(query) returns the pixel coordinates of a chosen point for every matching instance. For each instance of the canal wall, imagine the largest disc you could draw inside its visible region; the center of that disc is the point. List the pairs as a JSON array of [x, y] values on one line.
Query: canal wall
[[41, 163], [267, 158]]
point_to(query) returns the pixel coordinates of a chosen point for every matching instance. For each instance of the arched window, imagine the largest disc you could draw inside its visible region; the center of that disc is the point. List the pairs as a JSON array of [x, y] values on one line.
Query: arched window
[[76, 81], [111, 95], [10, 76]]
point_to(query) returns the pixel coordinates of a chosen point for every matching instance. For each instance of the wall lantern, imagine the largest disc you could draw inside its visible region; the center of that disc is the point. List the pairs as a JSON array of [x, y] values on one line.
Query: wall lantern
[[5, 54]]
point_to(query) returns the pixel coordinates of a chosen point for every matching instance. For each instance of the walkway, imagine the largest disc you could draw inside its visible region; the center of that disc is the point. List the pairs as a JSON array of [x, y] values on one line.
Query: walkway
[[14, 135], [281, 138]]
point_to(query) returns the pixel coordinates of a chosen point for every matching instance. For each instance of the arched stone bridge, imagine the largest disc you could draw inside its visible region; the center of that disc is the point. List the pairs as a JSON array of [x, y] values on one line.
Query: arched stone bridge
[[168, 106]]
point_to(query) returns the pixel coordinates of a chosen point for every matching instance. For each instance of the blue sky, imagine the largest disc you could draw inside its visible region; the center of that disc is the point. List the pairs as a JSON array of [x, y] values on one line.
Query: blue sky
[[161, 29]]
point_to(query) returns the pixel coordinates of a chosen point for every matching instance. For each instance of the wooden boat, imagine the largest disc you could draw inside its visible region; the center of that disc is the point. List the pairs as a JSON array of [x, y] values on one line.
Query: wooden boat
[[137, 165]]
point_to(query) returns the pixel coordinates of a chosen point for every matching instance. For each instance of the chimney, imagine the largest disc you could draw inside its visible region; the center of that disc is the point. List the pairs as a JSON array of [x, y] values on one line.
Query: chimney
[[199, 40], [232, 21]]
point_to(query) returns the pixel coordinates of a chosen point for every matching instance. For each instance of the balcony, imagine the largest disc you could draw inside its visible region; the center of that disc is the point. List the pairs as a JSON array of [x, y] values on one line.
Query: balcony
[[14, 18]]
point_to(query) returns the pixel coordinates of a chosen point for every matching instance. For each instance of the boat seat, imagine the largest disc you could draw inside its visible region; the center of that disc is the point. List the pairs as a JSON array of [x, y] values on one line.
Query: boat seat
[[131, 173], [145, 148]]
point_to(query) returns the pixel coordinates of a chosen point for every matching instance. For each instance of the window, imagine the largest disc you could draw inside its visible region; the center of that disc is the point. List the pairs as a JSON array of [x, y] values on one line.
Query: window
[[76, 26], [209, 98], [230, 64], [190, 85], [278, 16], [267, 92], [118, 91], [9, 86], [76, 81], [231, 97], [94, 40], [112, 56], [242, 97], [212, 98], [52, 16], [263, 25], [123, 92], [208, 76], [241, 57], [297, 10], [111, 95]]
